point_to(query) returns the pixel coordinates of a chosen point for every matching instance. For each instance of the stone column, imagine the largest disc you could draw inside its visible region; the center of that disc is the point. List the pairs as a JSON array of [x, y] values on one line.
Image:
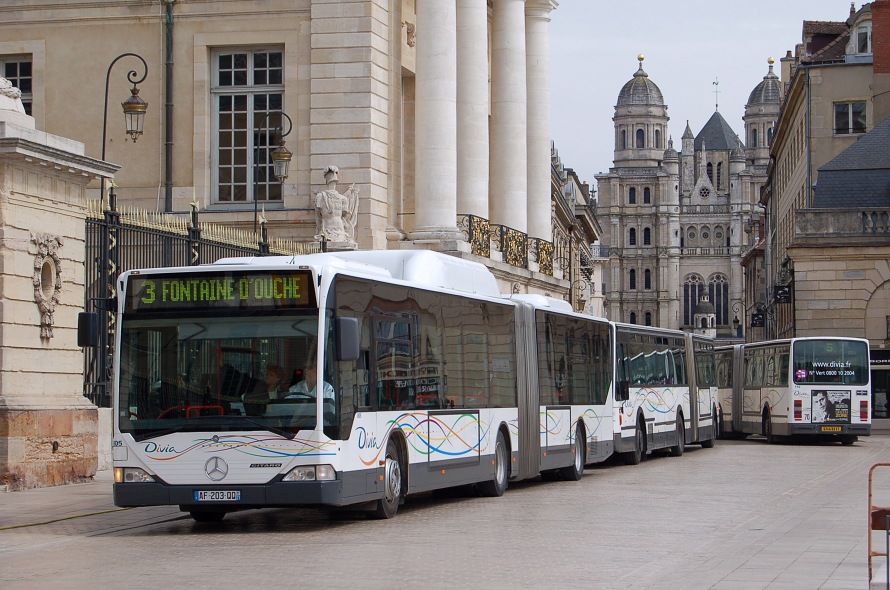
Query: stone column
[[472, 107], [509, 116], [48, 429], [537, 41], [435, 202]]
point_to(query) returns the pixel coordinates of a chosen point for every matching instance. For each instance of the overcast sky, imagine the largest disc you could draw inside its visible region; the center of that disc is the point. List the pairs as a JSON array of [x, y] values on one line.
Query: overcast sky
[[687, 45]]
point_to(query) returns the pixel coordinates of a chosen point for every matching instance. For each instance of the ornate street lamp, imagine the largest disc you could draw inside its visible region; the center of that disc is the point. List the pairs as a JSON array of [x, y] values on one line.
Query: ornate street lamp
[[281, 158], [134, 107]]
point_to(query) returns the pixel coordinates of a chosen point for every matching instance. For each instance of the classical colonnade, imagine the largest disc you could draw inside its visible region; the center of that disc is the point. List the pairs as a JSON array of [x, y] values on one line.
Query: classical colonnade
[[503, 176]]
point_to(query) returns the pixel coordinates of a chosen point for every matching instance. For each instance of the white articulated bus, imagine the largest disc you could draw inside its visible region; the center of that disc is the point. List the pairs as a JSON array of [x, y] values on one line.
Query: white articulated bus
[[658, 405], [430, 378], [799, 386]]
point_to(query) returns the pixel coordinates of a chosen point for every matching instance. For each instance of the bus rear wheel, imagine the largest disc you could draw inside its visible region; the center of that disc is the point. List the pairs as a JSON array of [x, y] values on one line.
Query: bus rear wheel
[[574, 471], [498, 484], [677, 450], [388, 505], [767, 429]]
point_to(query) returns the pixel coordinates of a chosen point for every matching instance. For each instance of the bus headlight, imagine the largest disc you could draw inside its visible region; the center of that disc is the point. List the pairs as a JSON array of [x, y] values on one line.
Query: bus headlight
[[131, 475], [311, 473]]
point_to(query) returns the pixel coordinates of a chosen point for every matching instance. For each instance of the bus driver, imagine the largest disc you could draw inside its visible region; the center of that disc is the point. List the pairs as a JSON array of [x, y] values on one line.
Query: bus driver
[[307, 387]]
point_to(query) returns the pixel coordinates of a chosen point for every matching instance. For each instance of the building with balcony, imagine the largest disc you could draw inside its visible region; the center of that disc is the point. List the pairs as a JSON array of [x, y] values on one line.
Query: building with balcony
[[437, 112]]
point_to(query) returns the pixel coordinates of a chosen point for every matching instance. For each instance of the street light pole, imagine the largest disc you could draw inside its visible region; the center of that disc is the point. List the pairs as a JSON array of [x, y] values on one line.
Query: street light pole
[[736, 308], [134, 107], [281, 157]]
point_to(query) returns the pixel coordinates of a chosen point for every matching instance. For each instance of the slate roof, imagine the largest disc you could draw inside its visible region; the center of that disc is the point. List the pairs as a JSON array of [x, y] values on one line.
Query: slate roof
[[859, 176], [717, 135]]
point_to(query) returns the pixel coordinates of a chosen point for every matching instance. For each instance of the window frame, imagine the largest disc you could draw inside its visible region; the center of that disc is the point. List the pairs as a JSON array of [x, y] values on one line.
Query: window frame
[[849, 107], [20, 60], [259, 139]]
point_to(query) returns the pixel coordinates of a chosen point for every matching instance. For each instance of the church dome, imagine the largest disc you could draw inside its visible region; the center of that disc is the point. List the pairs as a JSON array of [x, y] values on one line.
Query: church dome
[[704, 307], [769, 91], [640, 90]]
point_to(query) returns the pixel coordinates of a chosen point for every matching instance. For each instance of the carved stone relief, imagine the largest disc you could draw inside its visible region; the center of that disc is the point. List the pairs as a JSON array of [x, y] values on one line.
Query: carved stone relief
[[47, 279]]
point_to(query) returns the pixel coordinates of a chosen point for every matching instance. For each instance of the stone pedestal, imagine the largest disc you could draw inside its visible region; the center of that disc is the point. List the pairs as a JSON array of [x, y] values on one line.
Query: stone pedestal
[[48, 430]]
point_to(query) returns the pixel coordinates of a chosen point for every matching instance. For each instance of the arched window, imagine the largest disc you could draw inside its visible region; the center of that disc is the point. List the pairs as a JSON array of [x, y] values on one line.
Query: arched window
[[658, 138], [710, 168], [647, 279], [648, 318], [719, 174], [641, 138], [632, 280], [632, 196], [633, 317], [718, 292], [754, 137], [647, 236], [647, 196], [704, 322], [623, 139], [693, 286], [632, 237]]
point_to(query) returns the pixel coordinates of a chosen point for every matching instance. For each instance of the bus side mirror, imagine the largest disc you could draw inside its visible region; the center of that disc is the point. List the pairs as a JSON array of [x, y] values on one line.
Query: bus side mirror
[[623, 392], [87, 329], [347, 332]]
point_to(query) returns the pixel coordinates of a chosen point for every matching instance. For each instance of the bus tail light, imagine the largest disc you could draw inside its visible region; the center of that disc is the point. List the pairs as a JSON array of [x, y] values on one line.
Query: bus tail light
[[863, 410], [798, 410]]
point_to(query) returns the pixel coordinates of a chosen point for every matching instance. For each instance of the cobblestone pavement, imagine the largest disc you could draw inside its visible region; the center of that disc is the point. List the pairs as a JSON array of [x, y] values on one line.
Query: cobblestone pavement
[[743, 515]]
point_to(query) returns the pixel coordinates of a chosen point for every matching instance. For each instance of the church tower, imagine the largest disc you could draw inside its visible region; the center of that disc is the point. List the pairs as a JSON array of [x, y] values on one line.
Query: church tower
[[676, 219], [637, 200]]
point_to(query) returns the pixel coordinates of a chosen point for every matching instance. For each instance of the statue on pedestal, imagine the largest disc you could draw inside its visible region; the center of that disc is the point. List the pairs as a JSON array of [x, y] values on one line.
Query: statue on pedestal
[[336, 213]]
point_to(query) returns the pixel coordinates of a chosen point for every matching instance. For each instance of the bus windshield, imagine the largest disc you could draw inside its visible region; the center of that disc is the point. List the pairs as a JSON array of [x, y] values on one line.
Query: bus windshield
[[221, 374], [830, 361]]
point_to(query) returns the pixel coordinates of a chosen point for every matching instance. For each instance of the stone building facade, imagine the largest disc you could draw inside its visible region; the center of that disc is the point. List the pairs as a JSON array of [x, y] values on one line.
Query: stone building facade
[[434, 110], [675, 220], [49, 432]]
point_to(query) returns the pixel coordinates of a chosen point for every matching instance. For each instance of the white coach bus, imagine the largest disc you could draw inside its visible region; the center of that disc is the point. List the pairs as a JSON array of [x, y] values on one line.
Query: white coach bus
[[658, 404], [429, 378], [799, 386]]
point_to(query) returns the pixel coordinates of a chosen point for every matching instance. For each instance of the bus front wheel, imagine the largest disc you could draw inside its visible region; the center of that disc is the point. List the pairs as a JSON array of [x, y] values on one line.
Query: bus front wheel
[[388, 505], [636, 456], [709, 443]]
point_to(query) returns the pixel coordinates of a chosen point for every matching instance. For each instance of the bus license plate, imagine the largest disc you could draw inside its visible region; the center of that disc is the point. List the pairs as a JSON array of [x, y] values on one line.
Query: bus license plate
[[831, 429], [218, 496]]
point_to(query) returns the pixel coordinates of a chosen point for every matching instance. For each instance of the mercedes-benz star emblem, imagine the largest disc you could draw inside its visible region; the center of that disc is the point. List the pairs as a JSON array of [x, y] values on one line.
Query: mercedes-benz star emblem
[[216, 469]]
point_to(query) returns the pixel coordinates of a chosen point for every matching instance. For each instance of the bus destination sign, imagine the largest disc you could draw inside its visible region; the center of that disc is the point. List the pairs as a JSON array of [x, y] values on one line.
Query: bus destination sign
[[219, 291]]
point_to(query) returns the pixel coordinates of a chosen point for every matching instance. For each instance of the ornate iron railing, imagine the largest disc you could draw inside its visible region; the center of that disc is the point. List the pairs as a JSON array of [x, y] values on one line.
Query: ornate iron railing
[[516, 247]]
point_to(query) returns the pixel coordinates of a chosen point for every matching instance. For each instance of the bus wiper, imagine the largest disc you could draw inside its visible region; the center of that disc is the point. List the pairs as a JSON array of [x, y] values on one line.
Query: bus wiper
[[272, 429], [156, 433]]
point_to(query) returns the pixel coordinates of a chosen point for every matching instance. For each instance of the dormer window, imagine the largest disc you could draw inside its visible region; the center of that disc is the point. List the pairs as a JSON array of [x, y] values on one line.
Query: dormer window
[[863, 38]]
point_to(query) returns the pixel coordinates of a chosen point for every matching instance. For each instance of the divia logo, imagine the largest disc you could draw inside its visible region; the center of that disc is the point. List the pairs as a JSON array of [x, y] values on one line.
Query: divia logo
[[152, 447]]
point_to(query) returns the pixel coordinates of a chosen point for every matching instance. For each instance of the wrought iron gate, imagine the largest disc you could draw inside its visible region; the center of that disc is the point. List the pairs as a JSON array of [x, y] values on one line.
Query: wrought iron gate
[[120, 240]]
